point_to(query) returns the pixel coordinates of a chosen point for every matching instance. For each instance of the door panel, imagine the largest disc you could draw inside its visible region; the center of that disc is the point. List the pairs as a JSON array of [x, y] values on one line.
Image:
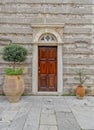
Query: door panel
[[43, 82], [43, 67], [52, 82], [52, 54], [52, 67], [47, 68], [43, 54]]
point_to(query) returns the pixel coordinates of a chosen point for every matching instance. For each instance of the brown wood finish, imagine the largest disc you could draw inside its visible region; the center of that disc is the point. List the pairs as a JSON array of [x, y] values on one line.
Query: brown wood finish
[[47, 68]]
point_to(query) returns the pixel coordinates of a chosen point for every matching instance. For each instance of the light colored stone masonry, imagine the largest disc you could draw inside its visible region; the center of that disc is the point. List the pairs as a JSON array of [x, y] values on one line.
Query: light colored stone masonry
[[17, 18]]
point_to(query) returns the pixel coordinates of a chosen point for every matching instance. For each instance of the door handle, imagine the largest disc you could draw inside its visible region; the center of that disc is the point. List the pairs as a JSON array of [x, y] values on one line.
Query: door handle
[[39, 70]]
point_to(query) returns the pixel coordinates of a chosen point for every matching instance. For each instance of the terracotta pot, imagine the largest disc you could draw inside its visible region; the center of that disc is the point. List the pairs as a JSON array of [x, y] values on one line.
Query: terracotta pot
[[80, 92], [14, 87]]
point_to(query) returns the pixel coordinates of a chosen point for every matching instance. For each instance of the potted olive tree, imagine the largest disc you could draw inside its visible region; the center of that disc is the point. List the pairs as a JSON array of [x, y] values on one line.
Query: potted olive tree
[[14, 82], [80, 90]]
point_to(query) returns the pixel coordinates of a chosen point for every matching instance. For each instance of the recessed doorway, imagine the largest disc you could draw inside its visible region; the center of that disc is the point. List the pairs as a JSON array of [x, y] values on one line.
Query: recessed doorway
[[47, 63]]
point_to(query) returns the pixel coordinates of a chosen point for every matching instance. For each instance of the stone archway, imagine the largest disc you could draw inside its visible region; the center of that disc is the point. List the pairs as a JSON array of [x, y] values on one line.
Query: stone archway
[[39, 31]]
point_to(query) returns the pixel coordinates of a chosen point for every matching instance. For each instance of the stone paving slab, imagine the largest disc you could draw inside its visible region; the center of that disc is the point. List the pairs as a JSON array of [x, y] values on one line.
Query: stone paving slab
[[47, 113], [46, 127], [66, 121], [4, 128], [20, 118], [83, 111], [48, 119], [4, 125], [48, 109], [91, 99], [73, 101], [32, 121], [84, 116], [60, 105]]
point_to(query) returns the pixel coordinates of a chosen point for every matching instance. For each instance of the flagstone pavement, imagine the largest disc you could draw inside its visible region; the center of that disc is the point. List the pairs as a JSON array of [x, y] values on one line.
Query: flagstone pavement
[[47, 113]]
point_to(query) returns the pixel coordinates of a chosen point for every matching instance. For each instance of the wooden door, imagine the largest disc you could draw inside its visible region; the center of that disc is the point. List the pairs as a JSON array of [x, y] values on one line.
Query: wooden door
[[47, 68]]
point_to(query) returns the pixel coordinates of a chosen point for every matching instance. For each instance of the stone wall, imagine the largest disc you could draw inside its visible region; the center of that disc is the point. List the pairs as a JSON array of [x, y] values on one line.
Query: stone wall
[[17, 16]]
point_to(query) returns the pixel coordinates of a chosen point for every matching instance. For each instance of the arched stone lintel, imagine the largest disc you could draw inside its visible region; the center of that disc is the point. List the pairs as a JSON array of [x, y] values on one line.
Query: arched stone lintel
[[44, 31]]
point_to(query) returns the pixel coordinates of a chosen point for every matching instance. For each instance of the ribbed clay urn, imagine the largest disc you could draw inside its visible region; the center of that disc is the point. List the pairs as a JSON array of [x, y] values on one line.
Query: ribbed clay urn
[[80, 89], [80, 92], [14, 82]]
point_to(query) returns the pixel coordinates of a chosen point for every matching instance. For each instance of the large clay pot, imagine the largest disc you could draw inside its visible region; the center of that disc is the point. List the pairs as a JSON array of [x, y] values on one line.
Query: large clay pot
[[14, 87], [80, 92]]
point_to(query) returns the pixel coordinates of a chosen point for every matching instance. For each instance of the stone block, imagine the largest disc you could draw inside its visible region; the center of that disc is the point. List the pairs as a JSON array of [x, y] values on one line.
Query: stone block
[[1, 60], [2, 70], [92, 47], [22, 8], [20, 20], [28, 90], [67, 10], [76, 21], [89, 90], [55, 10], [1, 80], [69, 21], [76, 30], [17, 38], [73, 70], [80, 11], [77, 37], [54, 20], [79, 61], [27, 79], [82, 1], [4, 41], [22, 1], [79, 51], [29, 59], [49, 1], [1, 49], [29, 48], [82, 44], [15, 29]]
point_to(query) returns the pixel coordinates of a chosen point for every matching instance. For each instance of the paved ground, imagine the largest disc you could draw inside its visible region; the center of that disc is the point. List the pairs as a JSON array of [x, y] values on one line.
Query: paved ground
[[47, 113]]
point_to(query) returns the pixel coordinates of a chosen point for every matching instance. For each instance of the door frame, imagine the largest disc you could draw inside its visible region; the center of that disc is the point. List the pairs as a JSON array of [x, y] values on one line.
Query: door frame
[[36, 43]]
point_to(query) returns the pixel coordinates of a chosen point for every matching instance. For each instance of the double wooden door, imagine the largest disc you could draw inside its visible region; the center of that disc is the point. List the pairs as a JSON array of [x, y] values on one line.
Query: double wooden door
[[47, 68]]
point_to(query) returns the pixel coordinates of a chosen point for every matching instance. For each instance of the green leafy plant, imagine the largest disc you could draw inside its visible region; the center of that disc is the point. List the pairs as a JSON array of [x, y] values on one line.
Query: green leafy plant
[[81, 77], [14, 54], [10, 71]]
